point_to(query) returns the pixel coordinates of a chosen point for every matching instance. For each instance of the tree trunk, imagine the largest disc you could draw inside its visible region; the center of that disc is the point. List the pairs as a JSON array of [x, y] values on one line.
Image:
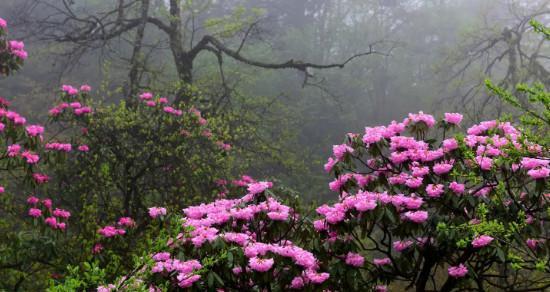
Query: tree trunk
[[422, 280], [182, 60], [136, 62]]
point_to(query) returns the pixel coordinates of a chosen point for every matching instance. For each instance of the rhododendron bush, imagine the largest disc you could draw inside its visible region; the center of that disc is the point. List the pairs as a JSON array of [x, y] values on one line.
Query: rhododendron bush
[[442, 212]]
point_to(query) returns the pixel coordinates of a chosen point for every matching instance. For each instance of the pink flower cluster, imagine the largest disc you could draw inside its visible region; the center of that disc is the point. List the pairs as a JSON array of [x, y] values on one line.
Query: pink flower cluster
[[185, 271], [234, 221], [17, 48], [35, 130], [368, 201], [56, 219], [482, 241], [457, 271], [63, 147], [77, 107], [111, 231], [155, 212]]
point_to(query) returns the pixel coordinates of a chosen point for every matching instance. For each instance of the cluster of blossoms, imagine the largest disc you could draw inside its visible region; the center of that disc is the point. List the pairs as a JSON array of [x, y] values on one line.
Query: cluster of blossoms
[[22, 144], [249, 228], [64, 147], [155, 212], [70, 94], [112, 231], [162, 102], [186, 276], [423, 188], [56, 218]]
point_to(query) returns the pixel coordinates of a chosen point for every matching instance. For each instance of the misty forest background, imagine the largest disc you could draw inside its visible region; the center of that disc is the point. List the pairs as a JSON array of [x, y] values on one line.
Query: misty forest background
[[411, 55]]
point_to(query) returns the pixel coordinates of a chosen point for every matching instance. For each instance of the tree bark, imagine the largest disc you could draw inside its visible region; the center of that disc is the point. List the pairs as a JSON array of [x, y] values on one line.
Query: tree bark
[[136, 61]]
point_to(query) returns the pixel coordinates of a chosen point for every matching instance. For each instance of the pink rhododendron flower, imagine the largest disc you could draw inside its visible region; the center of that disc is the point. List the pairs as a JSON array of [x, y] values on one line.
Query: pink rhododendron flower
[[453, 118], [435, 191], [237, 270], [161, 256], [259, 264], [155, 212], [47, 203], [85, 88], [401, 245], [442, 168], [40, 178], [532, 243], [316, 278], [418, 171], [484, 163], [126, 222], [30, 157], [457, 188], [83, 148], [355, 260], [3, 23], [320, 225], [75, 105], [373, 135], [34, 130], [146, 96], [539, 173], [51, 221], [297, 283], [421, 117], [414, 182], [363, 205], [482, 241], [416, 216], [259, 187], [187, 280], [97, 248], [32, 200], [69, 90], [449, 144], [33, 212], [381, 262], [107, 288], [340, 150], [111, 231], [330, 164], [457, 271], [59, 147], [531, 163], [60, 213]]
